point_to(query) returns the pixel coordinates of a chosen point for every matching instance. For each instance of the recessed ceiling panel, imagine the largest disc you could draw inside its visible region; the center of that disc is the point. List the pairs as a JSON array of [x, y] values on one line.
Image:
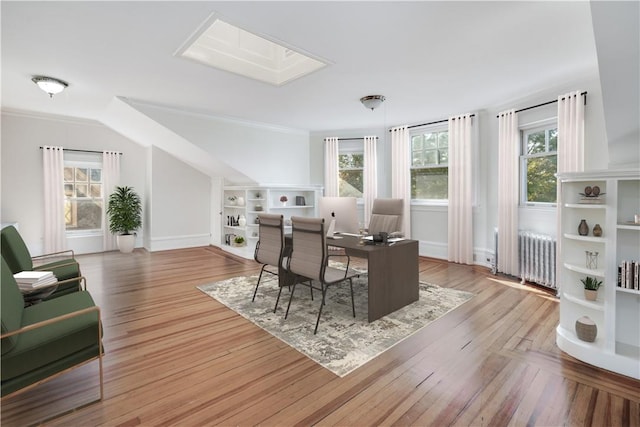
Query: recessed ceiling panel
[[227, 47]]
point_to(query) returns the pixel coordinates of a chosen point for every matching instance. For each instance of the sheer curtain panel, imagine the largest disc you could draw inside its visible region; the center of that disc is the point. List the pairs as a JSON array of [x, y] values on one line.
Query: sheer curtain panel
[[400, 175], [370, 175], [570, 132], [331, 167], [110, 179], [508, 183], [460, 211], [54, 223]]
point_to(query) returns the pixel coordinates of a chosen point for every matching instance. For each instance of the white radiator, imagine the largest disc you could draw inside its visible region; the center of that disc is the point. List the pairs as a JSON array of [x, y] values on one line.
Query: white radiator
[[537, 258]]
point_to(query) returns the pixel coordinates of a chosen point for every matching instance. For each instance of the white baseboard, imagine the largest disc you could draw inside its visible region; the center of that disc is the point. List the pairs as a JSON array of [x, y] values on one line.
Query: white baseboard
[[178, 242], [482, 256]]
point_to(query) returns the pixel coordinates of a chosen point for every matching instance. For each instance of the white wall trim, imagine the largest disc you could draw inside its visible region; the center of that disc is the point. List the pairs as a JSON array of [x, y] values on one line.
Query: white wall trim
[[53, 117], [179, 242]]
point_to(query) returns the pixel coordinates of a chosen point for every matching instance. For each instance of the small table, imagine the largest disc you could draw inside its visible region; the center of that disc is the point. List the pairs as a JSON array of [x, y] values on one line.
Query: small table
[[35, 296], [392, 277]]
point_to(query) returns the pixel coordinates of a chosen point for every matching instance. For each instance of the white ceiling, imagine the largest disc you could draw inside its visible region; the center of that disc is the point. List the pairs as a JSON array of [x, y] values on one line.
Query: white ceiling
[[430, 59]]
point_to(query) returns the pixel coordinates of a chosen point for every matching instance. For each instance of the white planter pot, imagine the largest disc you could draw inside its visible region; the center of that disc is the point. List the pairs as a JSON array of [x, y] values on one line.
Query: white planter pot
[[126, 242]]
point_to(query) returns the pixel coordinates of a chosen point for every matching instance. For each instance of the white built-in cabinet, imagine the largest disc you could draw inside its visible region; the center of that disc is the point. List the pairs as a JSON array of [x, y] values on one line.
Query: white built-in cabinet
[[243, 204], [616, 311]]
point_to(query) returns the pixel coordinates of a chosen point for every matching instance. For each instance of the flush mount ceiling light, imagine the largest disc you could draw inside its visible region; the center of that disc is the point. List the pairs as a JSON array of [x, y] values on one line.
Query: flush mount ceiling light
[[49, 84], [372, 101]]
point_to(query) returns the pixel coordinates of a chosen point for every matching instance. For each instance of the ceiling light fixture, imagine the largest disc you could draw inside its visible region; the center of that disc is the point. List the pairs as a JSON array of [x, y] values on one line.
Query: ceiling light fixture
[[49, 84], [372, 101]]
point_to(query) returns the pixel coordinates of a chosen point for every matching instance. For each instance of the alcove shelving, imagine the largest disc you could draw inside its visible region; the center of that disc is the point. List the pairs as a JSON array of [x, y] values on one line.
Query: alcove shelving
[[616, 310], [243, 204]]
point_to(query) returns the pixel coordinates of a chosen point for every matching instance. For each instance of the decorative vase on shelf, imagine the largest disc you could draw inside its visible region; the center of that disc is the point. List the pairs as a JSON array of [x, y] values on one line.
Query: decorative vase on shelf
[[242, 221], [583, 228], [240, 201], [597, 230], [586, 329]]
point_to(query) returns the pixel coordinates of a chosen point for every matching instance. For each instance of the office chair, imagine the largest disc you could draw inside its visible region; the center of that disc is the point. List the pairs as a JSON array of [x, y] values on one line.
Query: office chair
[[270, 249], [309, 259]]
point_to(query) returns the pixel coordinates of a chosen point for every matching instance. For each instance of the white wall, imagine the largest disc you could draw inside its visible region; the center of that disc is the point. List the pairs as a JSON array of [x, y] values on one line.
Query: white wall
[[264, 154], [22, 181], [429, 223], [180, 204]]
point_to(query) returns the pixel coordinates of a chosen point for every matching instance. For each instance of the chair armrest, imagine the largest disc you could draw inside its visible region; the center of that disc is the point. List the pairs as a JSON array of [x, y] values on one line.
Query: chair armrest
[[57, 319], [71, 262], [55, 253], [82, 279]]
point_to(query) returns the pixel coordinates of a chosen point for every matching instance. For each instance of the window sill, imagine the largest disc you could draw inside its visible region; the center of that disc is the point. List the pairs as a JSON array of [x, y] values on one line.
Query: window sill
[[83, 233]]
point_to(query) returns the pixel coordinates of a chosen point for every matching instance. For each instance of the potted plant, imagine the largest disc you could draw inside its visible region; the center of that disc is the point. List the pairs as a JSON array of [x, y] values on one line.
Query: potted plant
[[125, 216], [238, 241], [283, 199], [591, 285]]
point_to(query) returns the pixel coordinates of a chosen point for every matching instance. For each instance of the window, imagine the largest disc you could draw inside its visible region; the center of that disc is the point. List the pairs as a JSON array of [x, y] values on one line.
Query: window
[[538, 164], [350, 174], [83, 196], [429, 165]]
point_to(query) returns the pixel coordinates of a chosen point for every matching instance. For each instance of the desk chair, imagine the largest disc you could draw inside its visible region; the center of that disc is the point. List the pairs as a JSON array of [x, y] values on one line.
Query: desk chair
[[270, 249], [18, 258], [386, 216], [309, 259]]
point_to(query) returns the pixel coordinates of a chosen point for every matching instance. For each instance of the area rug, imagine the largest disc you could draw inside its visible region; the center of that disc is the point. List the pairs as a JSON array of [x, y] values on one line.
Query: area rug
[[343, 343]]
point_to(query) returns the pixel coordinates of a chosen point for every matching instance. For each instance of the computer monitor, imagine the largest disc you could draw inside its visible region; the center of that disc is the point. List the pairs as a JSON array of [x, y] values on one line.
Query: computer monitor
[[343, 210]]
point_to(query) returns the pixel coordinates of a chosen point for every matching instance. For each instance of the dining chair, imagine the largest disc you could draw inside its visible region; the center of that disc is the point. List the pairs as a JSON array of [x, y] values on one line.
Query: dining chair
[[270, 249], [309, 260]]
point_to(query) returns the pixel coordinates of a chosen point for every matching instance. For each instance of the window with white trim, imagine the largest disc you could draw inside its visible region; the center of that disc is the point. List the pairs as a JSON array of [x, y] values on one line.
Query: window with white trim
[[84, 199], [429, 164], [539, 164], [350, 174]]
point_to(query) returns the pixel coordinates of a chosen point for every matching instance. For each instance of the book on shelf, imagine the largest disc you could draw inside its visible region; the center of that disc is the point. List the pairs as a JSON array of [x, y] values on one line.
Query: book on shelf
[[629, 275]]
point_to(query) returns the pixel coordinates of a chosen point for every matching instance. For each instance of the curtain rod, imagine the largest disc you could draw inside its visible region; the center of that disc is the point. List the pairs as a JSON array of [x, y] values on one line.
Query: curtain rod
[[80, 151], [352, 139], [547, 103], [432, 123]]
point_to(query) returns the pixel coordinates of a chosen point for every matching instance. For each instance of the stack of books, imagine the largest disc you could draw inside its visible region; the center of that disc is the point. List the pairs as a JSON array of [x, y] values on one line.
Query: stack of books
[[31, 280], [629, 275]]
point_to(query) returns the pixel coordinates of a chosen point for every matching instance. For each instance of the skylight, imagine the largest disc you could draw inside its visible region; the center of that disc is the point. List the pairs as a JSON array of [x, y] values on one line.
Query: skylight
[[227, 47]]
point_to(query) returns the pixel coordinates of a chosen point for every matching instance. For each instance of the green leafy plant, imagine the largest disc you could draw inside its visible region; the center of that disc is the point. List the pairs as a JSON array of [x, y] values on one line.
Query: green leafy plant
[[591, 283], [238, 240], [124, 211]]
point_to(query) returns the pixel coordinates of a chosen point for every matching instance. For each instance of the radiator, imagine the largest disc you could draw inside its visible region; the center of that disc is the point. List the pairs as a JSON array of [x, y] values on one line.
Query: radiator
[[537, 258]]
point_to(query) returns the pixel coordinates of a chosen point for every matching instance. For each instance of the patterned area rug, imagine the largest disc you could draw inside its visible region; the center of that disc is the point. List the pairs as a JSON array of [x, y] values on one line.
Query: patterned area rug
[[342, 343]]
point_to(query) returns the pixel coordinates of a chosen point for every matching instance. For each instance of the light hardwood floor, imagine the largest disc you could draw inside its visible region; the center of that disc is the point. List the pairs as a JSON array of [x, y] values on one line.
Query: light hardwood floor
[[174, 356]]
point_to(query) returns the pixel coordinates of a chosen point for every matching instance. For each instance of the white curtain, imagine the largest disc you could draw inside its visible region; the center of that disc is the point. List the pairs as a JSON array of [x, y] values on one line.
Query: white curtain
[[570, 146], [370, 175], [331, 167], [110, 179], [54, 223], [570, 132], [460, 211], [400, 175], [508, 186]]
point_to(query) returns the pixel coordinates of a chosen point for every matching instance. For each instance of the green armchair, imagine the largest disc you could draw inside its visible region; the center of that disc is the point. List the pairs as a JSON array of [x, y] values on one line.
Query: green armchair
[[43, 341], [18, 258]]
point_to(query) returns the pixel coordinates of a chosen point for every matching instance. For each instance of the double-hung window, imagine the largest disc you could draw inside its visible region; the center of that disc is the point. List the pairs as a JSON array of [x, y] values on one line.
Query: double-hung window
[[429, 164], [350, 174], [84, 199], [538, 164]]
